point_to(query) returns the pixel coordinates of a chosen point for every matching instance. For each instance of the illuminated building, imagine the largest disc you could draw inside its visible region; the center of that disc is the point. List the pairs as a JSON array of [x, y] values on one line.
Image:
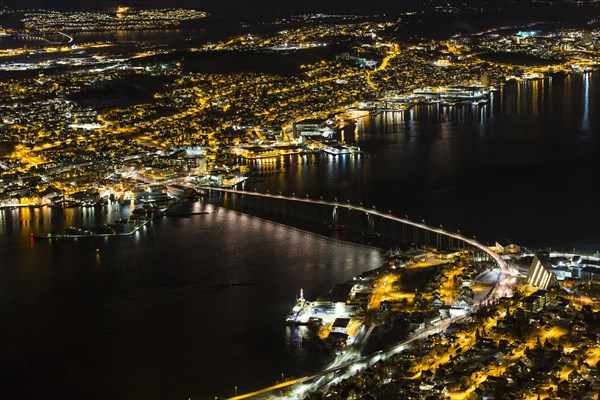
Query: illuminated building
[[539, 276]]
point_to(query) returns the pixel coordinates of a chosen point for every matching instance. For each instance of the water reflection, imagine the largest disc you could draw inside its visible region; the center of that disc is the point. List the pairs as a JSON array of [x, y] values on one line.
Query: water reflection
[[585, 120], [23, 221], [444, 162], [298, 340]]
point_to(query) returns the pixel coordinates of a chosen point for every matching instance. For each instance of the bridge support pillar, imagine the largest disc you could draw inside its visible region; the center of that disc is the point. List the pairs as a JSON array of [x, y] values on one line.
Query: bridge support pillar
[[370, 222], [334, 218]]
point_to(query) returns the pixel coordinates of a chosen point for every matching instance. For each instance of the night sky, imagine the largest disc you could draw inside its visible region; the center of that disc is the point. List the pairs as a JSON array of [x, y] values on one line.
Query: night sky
[[514, 11], [265, 7]]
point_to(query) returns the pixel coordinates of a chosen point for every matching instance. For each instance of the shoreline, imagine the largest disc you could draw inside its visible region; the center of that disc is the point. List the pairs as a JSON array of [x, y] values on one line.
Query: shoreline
[[51, 236]]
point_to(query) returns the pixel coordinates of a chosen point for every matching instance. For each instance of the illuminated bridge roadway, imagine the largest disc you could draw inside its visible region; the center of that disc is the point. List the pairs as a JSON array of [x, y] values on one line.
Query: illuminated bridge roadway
[[371, 212]]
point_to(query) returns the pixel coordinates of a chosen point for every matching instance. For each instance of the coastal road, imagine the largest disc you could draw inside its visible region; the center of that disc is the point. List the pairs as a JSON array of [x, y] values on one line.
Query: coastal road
[[343, 368]]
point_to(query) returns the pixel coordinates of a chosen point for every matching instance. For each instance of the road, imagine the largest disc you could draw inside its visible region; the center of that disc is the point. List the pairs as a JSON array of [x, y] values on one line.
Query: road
[[342, 367], [480, 246]]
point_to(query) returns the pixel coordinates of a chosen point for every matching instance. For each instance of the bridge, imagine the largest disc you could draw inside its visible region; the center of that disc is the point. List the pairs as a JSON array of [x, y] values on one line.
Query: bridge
[[250, 203], [271, 206], [44, 37]]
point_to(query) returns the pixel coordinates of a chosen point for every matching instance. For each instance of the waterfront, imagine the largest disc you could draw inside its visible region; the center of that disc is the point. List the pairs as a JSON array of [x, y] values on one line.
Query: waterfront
[[151, 312], [524, 166]]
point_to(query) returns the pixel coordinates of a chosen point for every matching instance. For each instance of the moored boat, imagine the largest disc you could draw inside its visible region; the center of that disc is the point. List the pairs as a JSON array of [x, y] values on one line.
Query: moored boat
[[340, 149], [300, 313]]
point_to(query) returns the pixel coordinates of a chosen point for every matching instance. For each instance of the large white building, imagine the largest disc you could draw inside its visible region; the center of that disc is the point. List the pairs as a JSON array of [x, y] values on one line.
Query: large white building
[[539, 276]]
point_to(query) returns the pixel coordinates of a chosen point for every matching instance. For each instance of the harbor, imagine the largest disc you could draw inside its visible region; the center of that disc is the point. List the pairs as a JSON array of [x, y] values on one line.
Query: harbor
[[139, 218], [422, 285]]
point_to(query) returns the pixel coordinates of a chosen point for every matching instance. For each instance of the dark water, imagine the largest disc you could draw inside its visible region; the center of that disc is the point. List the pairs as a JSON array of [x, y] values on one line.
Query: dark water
[[188, 307], [191, 307], [526, 166]]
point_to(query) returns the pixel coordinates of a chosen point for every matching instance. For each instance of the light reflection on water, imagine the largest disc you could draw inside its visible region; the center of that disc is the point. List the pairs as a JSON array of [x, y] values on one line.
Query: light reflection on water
[[150, 311], [493, 170], [300, 341]]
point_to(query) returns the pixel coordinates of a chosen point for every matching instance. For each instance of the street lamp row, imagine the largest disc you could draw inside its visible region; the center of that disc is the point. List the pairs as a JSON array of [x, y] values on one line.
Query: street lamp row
[[361, 205]]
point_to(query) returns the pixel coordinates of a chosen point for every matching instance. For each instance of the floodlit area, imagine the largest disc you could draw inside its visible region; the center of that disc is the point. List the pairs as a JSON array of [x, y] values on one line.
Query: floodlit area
[[498, 340]]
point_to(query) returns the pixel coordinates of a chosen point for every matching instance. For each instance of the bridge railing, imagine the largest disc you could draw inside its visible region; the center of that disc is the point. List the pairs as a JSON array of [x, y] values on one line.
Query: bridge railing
[[372, 212]]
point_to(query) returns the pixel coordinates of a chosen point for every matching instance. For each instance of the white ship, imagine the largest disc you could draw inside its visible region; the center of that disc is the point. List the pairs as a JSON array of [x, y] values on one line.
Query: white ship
[[340, 149], [301, 311]]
